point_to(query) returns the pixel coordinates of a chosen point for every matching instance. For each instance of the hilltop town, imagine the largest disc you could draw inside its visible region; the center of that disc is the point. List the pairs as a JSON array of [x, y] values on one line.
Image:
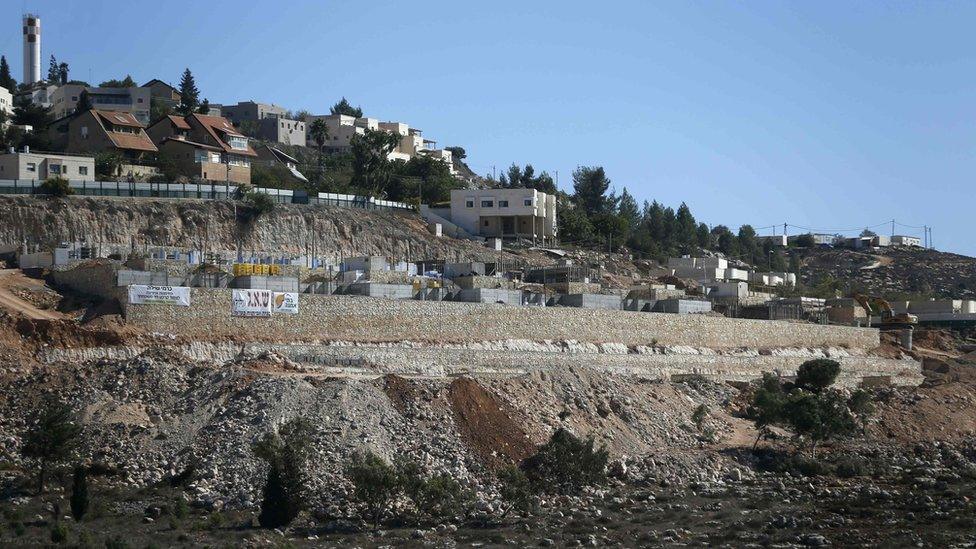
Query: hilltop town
[[247, 325]]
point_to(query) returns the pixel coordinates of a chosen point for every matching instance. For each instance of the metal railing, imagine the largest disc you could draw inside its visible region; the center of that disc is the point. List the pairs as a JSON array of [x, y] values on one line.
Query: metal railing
[[203, 191]]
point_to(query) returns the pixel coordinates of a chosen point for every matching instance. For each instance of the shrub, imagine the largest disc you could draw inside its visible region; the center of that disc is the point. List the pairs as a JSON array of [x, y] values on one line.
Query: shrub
[[376, 484], [441, 498], [850, 467], [566, 463], [816, 375], [57, 187], [515, 489], [699, 415], [257, 203], [766, 408], [79, 493], [59, 533], [286, 453]]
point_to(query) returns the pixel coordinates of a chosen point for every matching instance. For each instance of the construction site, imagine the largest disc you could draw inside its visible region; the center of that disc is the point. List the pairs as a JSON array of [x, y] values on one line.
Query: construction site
[[183, 334]]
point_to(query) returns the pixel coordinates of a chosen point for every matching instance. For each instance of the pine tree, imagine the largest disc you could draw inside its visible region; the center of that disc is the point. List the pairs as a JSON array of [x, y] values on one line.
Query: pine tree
[[344, 107], [53, 71], [6, 80], [189, 94], [63, 73], [204, 107], [590, 185], [628, 209], [84, 102], [79, 493]]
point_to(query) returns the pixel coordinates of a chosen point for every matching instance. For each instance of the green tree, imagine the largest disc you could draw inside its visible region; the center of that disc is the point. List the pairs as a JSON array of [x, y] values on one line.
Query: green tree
[[318, 130], [566, 463], [590, 185], [286, 452], [343, 107], [79, 493], [6, 80], [628, 211], [726, 241], [63, 73], [687, 236], [126, 82], [515, 489], [108, 165], [204, 107], [53, 71], [817, 374], [457, 153], [50, 439], [189, 94], [766, 408], [84, 102], [574, 225], [376, 484], [749, 250], [371, 166], [55, 187], [27, 113]]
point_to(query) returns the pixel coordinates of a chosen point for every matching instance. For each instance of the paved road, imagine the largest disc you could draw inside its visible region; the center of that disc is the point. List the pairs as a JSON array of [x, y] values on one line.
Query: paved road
[[13, 303]]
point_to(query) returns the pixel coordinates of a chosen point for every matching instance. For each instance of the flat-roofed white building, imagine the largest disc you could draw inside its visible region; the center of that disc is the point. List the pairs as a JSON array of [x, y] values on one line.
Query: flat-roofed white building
[[903, 240], [40, 166], [6, 101], [502, 213]]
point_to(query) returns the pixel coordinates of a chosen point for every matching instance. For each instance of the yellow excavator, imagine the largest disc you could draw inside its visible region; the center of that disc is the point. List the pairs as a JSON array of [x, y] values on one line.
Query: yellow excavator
[[876, 306]]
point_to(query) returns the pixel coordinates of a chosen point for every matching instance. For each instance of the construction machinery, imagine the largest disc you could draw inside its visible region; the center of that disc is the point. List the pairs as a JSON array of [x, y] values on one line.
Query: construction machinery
[[876, 306]]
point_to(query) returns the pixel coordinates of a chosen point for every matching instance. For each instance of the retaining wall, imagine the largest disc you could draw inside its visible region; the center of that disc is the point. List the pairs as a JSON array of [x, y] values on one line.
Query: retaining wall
[[366, 319]]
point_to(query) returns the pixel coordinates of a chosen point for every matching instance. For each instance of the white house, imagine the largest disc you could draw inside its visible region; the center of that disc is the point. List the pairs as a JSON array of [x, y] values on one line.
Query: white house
[[501, 213], [902, 240]]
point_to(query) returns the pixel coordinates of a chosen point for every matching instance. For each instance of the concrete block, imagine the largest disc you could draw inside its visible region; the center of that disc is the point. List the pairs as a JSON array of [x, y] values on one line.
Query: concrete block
[[489, 295], [261, 282], [713, 263], [388, 291], [682, 306], [436, 229], [591, 301]]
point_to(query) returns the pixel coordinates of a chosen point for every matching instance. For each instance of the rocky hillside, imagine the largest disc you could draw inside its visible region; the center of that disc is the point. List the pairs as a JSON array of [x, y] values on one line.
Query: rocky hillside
[[217, 225], [893, 272]]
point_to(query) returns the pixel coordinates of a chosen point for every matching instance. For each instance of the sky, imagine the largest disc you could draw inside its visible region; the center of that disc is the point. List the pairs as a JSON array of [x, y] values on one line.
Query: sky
[[826, 115]]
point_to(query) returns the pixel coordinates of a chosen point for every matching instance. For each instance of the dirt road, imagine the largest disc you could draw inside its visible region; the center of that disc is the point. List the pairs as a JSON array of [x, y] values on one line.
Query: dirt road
[[10, 302]]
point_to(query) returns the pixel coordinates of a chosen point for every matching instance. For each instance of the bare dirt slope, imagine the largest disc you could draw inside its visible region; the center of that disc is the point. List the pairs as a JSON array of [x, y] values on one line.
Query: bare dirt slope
[[13, 287]]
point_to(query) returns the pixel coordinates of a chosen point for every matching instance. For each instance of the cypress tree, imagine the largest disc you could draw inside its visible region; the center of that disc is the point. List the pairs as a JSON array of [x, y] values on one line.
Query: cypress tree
[[79, 493]]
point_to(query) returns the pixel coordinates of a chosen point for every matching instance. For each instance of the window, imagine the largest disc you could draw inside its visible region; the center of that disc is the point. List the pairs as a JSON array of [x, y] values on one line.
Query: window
[[55, 169], [486, 223], [83, 170], [238, 143], [84, 132], [528, 202], [469, 203], [503, 203], [487, 203], [31, 167]]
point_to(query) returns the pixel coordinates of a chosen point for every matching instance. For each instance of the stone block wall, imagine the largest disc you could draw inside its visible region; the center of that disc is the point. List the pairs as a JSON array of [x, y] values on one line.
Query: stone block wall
[[366, 319]]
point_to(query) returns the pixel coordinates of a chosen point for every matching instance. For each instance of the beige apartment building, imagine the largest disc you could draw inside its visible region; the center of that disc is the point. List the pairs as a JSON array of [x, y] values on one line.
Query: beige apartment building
[[41, 166], [204, 147], [501, 213], [64, 100]]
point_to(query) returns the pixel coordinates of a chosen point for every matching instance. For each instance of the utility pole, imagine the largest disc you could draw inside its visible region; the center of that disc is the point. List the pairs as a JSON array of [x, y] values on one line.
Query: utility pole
[[892, 228]]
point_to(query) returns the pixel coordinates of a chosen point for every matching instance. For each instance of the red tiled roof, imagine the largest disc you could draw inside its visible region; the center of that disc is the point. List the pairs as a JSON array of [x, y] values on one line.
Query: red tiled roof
[[218, 127], [179, 122], [118, 118], [193, 144]]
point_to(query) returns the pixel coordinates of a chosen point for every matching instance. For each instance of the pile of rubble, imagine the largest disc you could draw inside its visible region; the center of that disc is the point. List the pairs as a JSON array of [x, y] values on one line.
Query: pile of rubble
[[161, 417]]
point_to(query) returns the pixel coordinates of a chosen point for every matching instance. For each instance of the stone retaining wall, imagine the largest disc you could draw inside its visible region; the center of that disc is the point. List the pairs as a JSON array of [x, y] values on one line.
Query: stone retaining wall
[[364, 319]]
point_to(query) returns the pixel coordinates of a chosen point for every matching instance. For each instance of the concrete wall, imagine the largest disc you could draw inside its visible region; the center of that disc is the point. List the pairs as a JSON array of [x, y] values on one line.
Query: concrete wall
[[487, 295], [368, 319]]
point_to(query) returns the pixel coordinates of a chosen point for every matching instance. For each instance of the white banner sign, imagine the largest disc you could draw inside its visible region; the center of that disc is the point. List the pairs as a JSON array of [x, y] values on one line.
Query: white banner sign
[[286, 302], [252, 303], [159, 295]]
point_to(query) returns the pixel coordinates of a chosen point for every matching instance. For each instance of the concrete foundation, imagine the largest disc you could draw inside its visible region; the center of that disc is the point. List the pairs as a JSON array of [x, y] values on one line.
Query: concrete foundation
[[389, 291], [486, 295], [682, 306], [591, 301]]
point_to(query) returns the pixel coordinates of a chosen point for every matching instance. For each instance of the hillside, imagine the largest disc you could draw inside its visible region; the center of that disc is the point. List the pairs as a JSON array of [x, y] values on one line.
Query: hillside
[[893, 272]]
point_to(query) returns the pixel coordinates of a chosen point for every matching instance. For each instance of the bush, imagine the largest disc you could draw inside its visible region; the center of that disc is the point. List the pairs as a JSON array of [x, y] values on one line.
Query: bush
[[56, 187], [79, 493], [515, 489], [59, 533], [816, 375], [441, 498], [566, 463], [257, 203], [850, 467], [286, 453], [699, 415], [376, 484]]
